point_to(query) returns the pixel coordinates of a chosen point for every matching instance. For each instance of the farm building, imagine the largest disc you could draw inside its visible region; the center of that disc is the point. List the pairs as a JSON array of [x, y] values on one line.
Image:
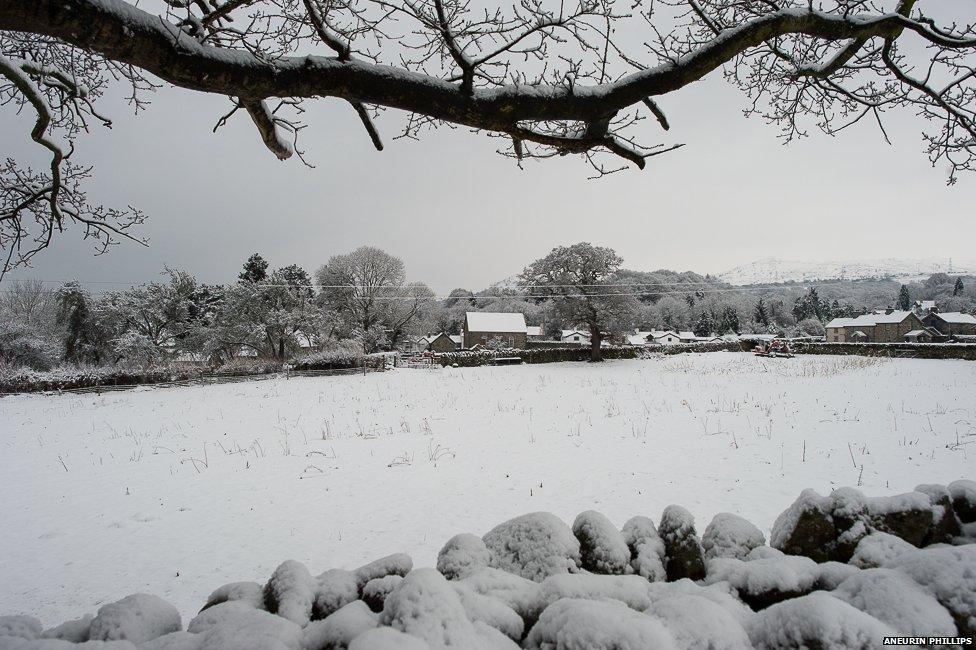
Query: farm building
[[952, 323], [883, 327], [575, 336], [653, 337], [482, 327]]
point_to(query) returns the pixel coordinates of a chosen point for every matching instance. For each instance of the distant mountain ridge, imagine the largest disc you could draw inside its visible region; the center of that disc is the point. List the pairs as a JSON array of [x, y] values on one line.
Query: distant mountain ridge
[[772, 270]]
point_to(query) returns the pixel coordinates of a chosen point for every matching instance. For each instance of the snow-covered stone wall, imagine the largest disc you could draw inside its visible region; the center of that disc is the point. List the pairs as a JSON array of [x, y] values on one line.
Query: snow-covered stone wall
[[840, 571]]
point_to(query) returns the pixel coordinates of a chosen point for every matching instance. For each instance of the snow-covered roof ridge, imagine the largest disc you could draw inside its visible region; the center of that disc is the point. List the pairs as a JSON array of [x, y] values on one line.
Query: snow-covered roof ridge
[[489, 321], [956, 317], [871, 319]]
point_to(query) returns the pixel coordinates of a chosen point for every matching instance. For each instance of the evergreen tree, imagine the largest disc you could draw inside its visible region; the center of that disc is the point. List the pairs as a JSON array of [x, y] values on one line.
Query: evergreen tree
[[957, 289], [904, 300], [703, 327], [761, 314], [730, 320], [255, 269], [809, 305]]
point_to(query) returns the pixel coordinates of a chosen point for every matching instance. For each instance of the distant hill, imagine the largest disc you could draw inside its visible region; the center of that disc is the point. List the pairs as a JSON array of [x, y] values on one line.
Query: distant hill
[[771, 270]]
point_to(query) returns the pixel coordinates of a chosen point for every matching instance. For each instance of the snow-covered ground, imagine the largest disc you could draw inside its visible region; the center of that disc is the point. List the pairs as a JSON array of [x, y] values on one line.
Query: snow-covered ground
[[176, 491]]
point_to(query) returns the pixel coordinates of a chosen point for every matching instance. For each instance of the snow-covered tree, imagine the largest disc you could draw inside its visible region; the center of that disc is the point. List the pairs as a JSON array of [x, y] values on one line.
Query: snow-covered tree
[[582, 282], [958, 287], [704, 326], [368, 288], [152, 318], [730, 320], [551, 78], [267, 316], [904, 301], [760, 314]]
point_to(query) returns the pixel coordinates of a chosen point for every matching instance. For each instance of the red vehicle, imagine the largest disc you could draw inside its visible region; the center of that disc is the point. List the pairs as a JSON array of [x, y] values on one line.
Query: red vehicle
[[774, 348]]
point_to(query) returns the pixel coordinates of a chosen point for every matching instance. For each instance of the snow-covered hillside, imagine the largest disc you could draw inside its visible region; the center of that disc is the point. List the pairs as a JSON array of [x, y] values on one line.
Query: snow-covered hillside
[[773, 270], [175, 491]]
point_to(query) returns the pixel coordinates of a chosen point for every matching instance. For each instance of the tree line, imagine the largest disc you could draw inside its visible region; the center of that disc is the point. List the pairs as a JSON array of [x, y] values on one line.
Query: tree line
[[362, 301]]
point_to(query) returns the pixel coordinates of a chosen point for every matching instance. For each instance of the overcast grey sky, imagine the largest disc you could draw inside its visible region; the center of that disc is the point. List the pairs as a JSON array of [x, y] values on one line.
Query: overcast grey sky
[[460, 215]]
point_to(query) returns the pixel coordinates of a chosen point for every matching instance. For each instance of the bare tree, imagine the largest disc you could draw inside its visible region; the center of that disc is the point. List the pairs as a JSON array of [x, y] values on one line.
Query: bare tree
[[551, 78]]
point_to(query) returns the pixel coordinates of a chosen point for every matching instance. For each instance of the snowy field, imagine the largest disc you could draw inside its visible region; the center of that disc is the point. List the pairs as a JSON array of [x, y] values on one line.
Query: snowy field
[[176, 491]]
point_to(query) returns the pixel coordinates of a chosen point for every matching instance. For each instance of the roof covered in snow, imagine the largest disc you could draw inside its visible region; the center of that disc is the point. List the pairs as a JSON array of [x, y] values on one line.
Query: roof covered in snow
[[957, 317], [869, 320], [489, 321], [533, 330], [568, 333]]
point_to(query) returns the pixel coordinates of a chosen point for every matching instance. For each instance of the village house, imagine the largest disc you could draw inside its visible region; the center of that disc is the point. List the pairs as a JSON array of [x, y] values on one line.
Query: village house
[[483, 327], [653, 337], [534, 333], [951, 323], [575, 336], [882, 327]]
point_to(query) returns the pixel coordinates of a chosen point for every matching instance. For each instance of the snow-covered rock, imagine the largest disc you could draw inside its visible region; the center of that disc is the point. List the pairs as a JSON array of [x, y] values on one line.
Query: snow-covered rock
[[719, 593], [806, 528], [290, 592], [175, 641], [684, 557], [235, 625], [879, 549], [534, 546], [76, 630], [816, 621], [730, 535], [249, 592], [136, 618], [949, 574], [24, 627], [761, 583], [386, 638], [521, 594], [631, 590], [833, 574], [338, 630], [397, 564], [963, 495], [376, 590], [336, 589], [602, 547], [945, 524], [577, 624], [893, 598], [831, 527], [426, 605], [490, 610], [646, 548], [697, 622], [764, 552], [462, 555]]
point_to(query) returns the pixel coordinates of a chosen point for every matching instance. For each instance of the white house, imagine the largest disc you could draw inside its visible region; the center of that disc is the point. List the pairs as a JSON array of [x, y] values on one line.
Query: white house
[[575, 336], [663, 337], [653, 337]]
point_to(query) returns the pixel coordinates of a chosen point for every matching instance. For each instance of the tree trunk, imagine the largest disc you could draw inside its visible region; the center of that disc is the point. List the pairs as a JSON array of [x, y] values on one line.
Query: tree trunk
[[281, 348], [595, 351]]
